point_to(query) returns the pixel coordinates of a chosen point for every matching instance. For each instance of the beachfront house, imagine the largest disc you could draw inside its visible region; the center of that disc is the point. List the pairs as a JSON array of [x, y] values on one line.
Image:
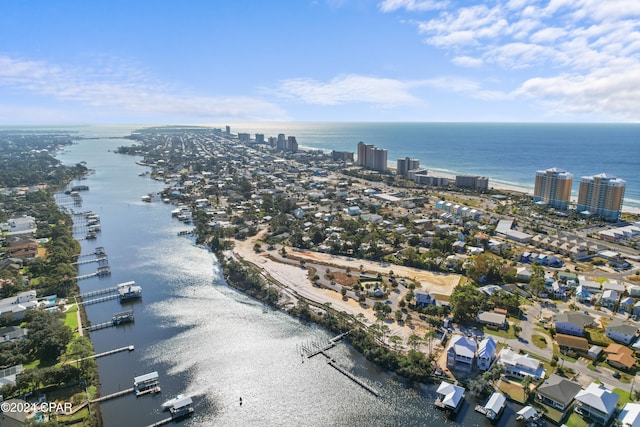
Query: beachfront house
[[461, 352], [558, 392], [486, 353], [596, 403], [520, 365], [621, 331], [572, 323]]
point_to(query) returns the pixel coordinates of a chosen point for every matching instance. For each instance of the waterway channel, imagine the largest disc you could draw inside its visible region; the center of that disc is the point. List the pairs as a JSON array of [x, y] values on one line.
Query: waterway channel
[[209, 341]]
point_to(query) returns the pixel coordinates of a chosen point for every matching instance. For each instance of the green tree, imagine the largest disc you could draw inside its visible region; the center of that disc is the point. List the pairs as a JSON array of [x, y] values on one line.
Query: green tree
[[465, 301]]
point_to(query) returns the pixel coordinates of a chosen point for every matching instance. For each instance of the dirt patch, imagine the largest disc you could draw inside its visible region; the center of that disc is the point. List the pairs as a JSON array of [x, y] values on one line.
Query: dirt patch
[[342, 278]]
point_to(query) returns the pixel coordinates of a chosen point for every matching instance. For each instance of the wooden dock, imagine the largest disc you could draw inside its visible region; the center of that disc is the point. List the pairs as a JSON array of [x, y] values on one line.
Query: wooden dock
[[112, 395], [170, 419], [314, 348], [97, 300], [117, 319], [99, 260], [353, 378], [110, 290], [106, 353]]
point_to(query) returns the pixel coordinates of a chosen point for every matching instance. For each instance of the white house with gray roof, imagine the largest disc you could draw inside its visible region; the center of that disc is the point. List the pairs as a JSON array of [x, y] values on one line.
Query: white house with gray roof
[[572, 323], [620, 331], [486, 353], [461, 352], [596, 403], [521, 365]]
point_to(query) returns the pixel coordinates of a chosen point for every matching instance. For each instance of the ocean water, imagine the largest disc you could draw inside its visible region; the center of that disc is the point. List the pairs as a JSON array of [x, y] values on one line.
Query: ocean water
[[507, 153]]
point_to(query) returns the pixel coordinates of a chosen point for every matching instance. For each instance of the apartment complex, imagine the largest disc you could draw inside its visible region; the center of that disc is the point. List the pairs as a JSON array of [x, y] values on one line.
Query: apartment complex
[[601, 195], [370, 157], [472, 181], [407, 164], [553, 188]]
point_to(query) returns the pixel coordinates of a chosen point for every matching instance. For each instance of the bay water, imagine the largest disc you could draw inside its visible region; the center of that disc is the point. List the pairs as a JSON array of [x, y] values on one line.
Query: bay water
[[207, 340]]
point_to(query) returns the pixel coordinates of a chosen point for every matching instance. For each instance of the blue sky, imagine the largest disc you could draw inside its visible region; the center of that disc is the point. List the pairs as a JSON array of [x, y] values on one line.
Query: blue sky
[[76, 62]]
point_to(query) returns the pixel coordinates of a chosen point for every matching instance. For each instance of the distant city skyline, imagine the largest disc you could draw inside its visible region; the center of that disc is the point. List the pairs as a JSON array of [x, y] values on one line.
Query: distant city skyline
[[76, 62]]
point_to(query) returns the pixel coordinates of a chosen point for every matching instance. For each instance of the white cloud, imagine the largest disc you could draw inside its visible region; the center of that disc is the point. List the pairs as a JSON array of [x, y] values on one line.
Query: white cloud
[[561, 45], [548, 35], [613, 95], [124, 89], [350, 89], [411, 5], [467, 61]]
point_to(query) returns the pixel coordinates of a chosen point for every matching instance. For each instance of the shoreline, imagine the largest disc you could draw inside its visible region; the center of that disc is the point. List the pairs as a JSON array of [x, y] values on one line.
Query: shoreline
[[501, 186]]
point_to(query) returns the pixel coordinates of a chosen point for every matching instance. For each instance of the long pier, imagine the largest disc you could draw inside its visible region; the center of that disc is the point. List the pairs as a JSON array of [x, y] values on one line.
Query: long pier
[[97, 300], [170, 419], [313, 349], [112, 395], [117, 320], [100, 260], [353, 378], [106, 353], [99, 292]]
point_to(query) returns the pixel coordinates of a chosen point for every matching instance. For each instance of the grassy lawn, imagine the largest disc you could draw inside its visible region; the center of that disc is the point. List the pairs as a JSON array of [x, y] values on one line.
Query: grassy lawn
[[575, 420], [71, 318], [512, 389], [539, 341], [32, 365], [625, 397], [510, 334], [552, 413], [597, 336]]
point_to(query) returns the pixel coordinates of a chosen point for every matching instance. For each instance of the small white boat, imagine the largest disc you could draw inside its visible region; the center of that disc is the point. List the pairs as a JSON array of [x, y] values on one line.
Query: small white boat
[[169, 403]]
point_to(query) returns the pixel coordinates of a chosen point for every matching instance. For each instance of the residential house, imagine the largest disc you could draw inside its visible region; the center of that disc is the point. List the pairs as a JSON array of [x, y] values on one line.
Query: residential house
[[609, 299], [450, 396], [520, 365], [461, 352], [572, 345], [18, 304], [558, 392], [636, 309], [582, 294], [596, 403], [621, 331], [493, 319], [23, 249], [611, 284], [12, 333], [629, 415], [572, 323], [559, 290], [620, 357], [486, 353], [424, 299], [626, 304]]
